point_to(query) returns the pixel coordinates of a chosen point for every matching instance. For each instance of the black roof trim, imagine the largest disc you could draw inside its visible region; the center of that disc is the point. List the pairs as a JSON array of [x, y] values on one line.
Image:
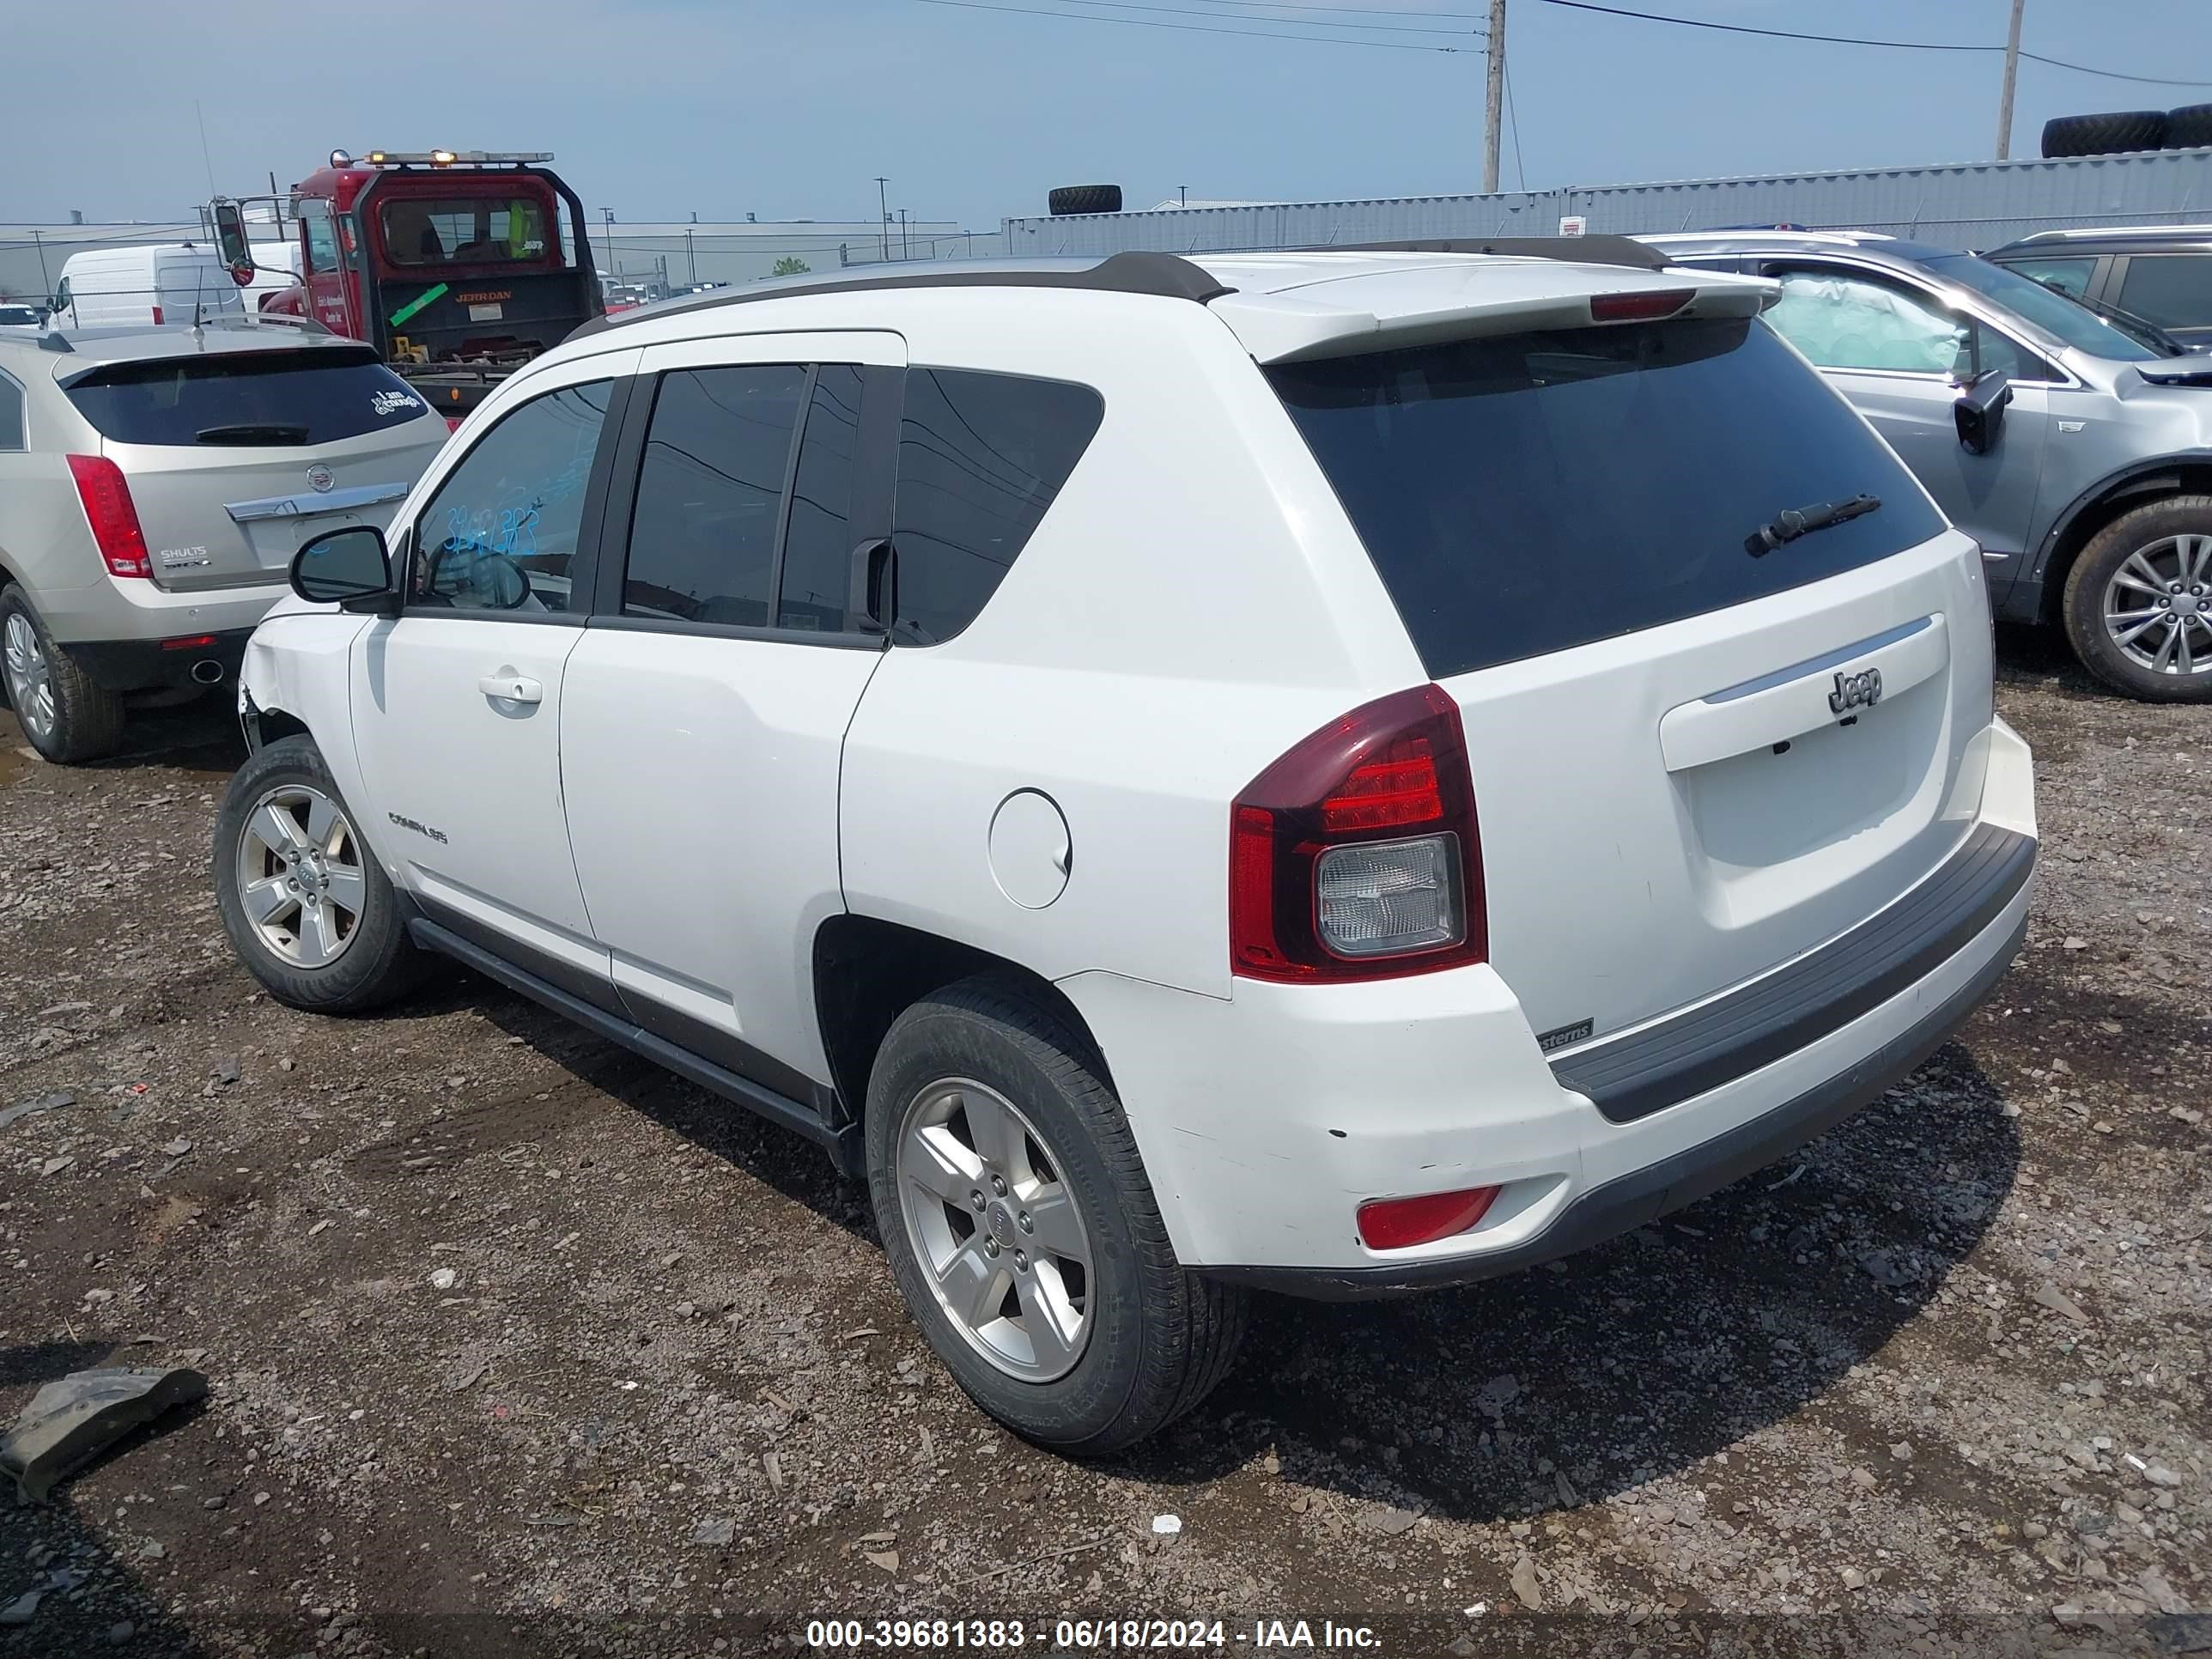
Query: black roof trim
[[1578, 250], [1162, 275]]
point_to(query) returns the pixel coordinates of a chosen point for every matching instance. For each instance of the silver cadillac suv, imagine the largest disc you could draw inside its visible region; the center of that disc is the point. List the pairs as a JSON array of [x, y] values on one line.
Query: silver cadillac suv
[[155, 483]]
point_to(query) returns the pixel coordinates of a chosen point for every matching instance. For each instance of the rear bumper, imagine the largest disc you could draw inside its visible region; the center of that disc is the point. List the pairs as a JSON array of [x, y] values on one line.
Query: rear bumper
[[1681, 1178], [147, 665], [1265, 1119]]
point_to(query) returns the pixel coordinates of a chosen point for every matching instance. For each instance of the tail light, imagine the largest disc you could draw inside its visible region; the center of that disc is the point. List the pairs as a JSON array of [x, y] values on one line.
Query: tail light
[[1356, 855], [1395, 1224], [157, 316], [113, 517], [452, 423]]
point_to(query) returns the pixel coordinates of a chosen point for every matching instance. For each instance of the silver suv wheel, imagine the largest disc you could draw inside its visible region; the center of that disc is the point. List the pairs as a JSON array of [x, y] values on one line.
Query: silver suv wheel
[[994, 1228], [300, 877], [30, 680], [2158, 606]]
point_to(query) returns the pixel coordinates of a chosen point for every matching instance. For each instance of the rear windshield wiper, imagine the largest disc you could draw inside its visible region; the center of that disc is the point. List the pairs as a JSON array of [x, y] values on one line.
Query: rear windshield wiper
[[1803, 520], [251, 432]]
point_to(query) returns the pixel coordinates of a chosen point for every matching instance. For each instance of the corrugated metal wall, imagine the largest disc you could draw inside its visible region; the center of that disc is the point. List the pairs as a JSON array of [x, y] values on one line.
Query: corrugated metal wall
[[1974, 205]]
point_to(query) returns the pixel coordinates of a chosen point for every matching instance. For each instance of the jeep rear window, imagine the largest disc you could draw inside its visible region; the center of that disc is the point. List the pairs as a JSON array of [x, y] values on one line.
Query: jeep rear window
[[1532, 492], [246, 399]]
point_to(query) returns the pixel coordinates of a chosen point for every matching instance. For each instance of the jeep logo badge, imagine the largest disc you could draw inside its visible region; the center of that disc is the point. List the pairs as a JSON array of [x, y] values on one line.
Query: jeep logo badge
[[1860, 691], [319, 479]]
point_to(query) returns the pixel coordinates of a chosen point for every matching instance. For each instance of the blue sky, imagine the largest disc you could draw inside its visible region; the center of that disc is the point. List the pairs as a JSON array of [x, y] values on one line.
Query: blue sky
[[790, 108]]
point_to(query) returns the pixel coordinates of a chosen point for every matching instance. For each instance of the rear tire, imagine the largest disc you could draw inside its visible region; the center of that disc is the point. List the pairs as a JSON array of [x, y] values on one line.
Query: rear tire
[[1108, 1338], [65, 715], [2120, 609], [306, 904]]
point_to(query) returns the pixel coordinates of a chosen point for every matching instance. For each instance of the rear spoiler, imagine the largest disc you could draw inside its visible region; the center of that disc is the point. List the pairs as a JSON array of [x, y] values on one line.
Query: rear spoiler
[[1387, 310], [1576, 250]]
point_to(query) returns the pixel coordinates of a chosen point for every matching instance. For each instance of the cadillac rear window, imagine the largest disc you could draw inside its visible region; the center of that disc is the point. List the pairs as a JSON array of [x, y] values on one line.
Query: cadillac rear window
[[1529, 492], [246, 400]]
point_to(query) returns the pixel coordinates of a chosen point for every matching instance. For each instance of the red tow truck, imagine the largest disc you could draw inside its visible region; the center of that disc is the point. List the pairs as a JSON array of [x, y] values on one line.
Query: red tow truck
[[459, 267]]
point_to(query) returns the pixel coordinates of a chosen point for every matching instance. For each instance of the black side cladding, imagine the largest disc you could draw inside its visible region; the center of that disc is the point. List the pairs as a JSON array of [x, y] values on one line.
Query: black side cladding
[[1162, 275]]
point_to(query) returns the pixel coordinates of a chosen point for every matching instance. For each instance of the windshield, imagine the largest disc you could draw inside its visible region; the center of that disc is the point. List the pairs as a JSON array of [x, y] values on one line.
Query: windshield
[[1529, 492], [2053, 313], [464, 231], [18, 316]]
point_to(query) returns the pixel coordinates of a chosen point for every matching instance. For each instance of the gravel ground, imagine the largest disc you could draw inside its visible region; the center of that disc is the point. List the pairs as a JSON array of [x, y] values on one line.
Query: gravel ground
[[520, 1346]]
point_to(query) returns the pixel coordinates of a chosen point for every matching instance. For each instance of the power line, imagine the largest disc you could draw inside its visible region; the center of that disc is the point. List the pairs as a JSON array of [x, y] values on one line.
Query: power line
[[1194, 28], [1184, 11], [1362, 11], [1858, 40]]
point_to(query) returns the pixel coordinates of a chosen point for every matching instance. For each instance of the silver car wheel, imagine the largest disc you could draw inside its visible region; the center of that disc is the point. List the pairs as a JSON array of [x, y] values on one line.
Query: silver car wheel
[[300, 877], [30, 677], [2158, 606], [995, 1229]]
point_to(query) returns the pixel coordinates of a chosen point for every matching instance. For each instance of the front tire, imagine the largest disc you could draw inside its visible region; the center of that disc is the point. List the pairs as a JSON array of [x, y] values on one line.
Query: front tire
[[1022, 1232], [65, 715], [2138, 602], [306, 906]]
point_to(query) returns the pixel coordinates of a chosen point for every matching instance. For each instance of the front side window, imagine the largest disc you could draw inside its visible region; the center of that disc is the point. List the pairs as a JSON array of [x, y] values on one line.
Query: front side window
[[501, 534], [710, 494], [817, 548], [322, 242], [2054, 313], [2173, 291], [2070, 276], [982, 458], [463, 231], [1848, 322]]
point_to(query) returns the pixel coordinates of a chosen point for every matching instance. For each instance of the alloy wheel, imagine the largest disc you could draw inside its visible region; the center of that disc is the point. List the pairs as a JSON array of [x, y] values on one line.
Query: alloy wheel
[[300, 877], [30, 677], [2158, 606], [996, 1232]]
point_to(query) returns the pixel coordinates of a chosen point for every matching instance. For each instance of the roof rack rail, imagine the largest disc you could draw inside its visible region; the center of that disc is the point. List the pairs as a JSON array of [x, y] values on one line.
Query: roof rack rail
[[1164, 275], [1579, 250]]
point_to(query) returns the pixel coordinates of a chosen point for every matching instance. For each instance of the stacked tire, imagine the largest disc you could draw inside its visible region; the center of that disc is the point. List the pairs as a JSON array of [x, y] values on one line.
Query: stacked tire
[[2117, 131]]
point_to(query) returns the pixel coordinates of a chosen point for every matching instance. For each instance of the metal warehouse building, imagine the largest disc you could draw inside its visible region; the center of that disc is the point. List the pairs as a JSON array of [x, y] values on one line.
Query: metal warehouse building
[[1975, 204]]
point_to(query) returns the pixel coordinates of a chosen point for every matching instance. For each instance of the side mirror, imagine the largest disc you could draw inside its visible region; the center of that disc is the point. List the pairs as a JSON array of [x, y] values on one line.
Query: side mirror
[[230, 240], [1979, 412], [351, 567]]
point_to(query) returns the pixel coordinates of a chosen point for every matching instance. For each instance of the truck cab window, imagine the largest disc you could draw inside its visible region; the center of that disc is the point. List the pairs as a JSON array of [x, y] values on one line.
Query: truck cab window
[[485, 230]]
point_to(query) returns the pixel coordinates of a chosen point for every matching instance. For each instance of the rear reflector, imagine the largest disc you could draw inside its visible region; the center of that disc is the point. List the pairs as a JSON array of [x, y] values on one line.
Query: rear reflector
[[157, 316], [452, 423], [1393, 1224], [191, 642], [113, 517], [1638, 307]]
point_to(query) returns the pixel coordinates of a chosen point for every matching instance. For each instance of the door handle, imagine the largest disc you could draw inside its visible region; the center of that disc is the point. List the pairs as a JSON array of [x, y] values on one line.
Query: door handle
[[508, 686]]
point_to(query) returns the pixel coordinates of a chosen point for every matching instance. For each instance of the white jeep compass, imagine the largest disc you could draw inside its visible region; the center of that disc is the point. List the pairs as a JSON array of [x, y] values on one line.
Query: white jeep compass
[[1339, 772]]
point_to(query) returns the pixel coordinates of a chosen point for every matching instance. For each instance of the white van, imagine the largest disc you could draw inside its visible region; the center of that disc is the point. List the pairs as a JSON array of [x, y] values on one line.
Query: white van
[[129, 287]]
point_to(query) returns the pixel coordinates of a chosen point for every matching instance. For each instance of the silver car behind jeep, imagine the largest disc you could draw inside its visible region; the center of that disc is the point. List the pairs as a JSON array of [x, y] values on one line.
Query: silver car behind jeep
[[2079, 458], [155, 483]]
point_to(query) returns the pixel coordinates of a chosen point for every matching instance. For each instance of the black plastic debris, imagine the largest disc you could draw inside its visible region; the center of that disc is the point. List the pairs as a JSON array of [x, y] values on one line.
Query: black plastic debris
[[70, 1422]]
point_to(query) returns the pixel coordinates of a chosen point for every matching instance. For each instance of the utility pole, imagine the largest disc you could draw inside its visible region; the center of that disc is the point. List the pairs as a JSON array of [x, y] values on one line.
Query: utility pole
[[2012, 71], [613, 268], [1494, 95], [883, 218]]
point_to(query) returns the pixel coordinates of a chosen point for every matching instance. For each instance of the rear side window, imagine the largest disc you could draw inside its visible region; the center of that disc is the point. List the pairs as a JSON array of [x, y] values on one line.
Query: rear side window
[[982, 458], [1531, 493], [2173, 291], [249, 399], [12, 414], [710, 496]]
